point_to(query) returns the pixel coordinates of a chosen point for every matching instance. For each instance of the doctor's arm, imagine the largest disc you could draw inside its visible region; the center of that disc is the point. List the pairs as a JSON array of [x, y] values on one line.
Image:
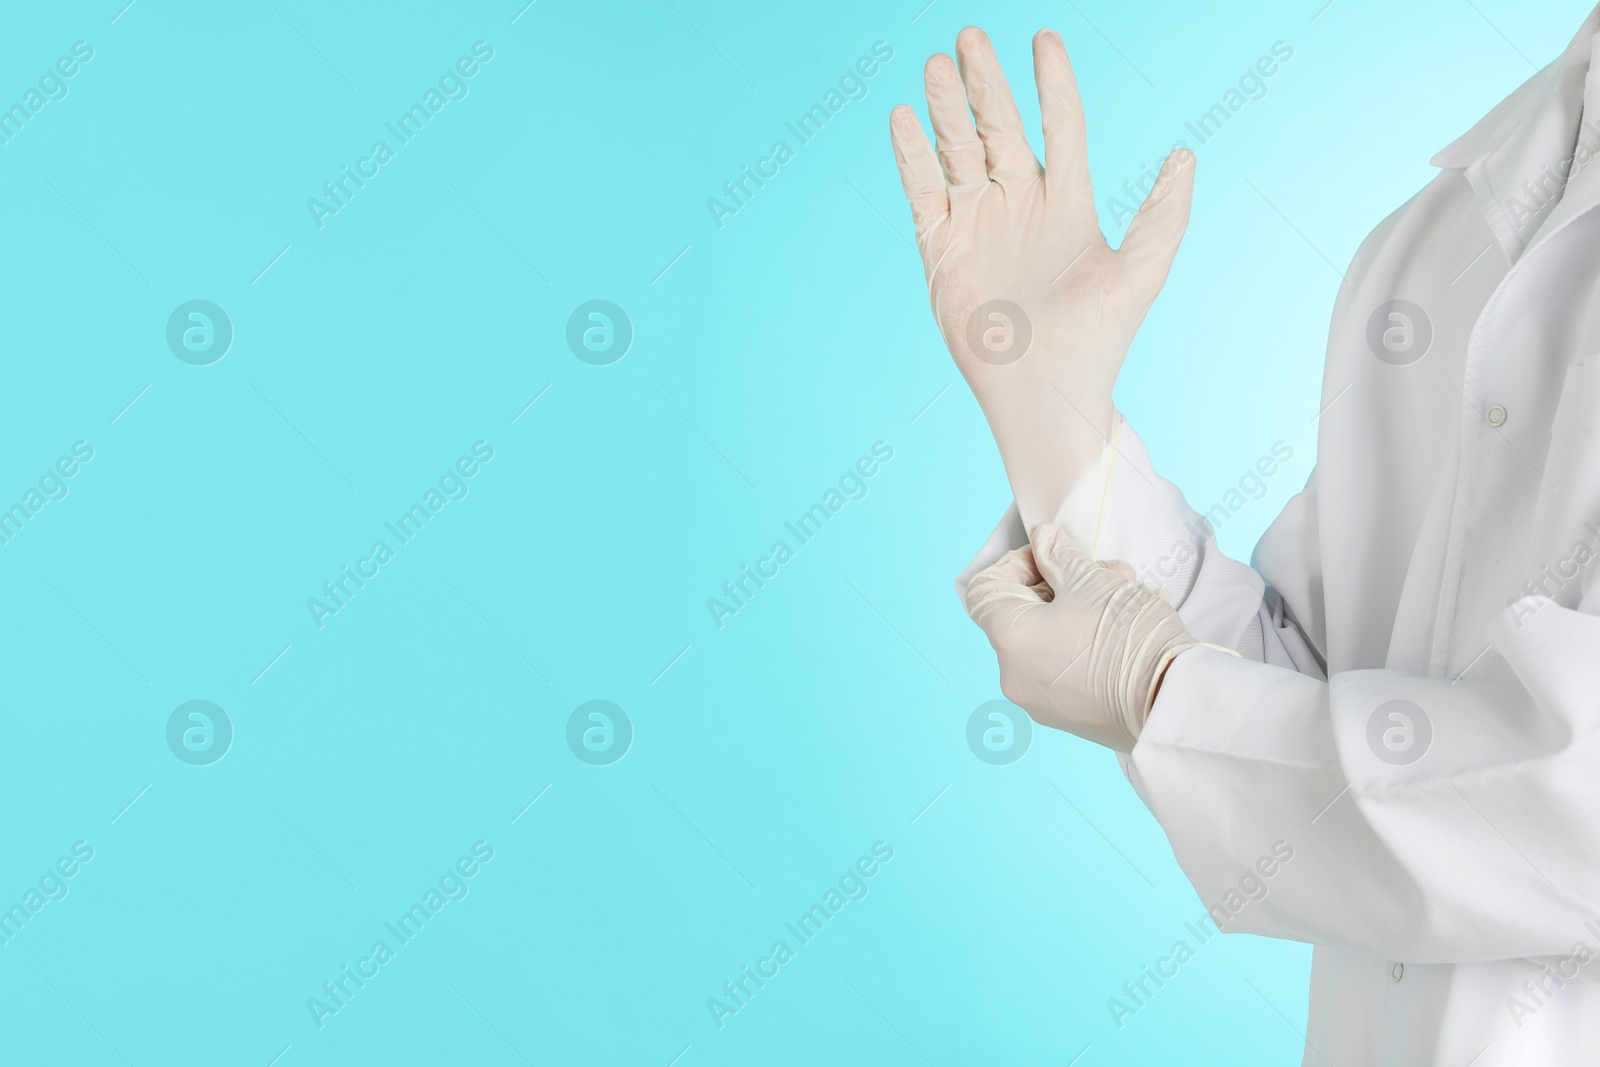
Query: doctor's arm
[[1038, 313], [1036, 309], [1424, 820]]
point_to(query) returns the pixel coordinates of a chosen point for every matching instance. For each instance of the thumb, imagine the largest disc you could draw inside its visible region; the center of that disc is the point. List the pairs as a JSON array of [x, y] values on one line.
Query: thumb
[[998, 591], [1060, 561], [1153, 237]]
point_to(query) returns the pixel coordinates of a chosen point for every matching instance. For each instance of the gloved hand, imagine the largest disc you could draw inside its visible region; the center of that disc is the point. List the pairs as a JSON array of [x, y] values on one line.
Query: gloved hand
[[992, 225], [1081, 646]]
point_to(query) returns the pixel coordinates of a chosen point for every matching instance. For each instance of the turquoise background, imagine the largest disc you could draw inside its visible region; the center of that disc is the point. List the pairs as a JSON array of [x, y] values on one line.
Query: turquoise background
[[768, 355]]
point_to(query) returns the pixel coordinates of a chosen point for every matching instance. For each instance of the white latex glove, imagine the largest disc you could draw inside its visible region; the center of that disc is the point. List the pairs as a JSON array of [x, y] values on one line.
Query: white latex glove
[[993, 225], [1081, 646]]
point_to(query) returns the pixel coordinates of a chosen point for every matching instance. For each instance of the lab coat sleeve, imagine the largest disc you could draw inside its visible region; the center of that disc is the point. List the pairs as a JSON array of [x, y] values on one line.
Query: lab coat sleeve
[[1145, 521], [1487, 847]]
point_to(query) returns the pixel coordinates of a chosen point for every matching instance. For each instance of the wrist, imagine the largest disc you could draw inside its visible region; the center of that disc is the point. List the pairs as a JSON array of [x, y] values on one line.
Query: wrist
[[1057, 461]]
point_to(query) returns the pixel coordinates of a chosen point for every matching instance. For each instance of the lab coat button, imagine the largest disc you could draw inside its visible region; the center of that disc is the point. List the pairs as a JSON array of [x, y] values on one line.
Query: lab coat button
[[1397, 971], [1496, 415]]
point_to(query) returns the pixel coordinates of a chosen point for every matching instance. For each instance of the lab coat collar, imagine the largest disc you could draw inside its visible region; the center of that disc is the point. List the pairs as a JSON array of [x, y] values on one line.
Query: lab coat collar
[[1517, 157]]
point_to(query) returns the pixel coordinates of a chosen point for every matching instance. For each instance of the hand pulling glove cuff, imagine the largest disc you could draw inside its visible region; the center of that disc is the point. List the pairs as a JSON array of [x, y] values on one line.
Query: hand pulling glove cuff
[[1081, 647], [1138, 637]]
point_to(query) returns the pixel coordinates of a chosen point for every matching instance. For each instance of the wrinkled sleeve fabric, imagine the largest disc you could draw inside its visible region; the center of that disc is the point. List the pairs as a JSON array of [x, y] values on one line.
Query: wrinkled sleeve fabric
[[1487, 848]]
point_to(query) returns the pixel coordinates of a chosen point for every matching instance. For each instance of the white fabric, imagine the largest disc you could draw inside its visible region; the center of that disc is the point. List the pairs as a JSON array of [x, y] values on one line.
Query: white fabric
[[1403, 571]]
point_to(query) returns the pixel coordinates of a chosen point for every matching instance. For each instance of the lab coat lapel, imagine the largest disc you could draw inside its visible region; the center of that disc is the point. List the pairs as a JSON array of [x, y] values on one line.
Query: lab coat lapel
[[1518, 156], [1582, 192]]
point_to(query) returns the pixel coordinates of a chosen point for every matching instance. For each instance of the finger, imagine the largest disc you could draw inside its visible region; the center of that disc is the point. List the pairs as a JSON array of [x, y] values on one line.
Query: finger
[[1121, 567], [960, 151], [1063, 564], [1066, 143], [1005, 145], [1156, 590], [1009, 583], [1012, 574], [996, 605], [920, 175], [1156, 231]]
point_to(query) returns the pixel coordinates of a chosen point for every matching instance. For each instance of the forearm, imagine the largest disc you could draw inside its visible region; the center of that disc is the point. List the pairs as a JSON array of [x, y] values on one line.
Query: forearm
[[1055, 458]]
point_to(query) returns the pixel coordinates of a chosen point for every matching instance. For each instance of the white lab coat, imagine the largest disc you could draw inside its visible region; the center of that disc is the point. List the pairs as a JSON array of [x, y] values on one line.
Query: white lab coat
[[1437, 892]]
